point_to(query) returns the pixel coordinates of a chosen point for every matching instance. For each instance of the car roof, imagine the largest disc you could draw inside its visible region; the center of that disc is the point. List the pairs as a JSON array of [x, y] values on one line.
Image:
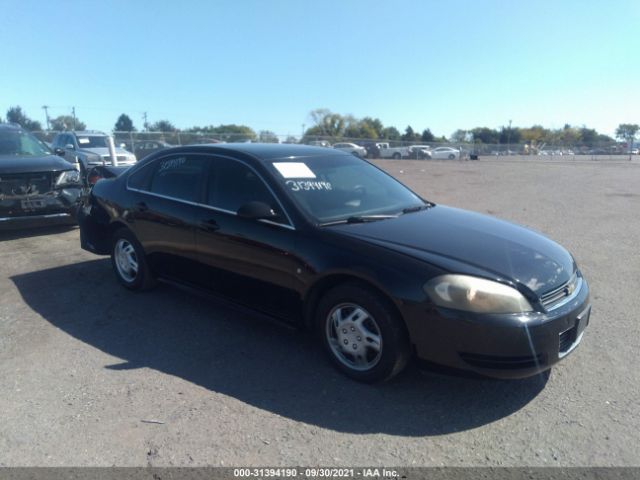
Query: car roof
[[269, 151]]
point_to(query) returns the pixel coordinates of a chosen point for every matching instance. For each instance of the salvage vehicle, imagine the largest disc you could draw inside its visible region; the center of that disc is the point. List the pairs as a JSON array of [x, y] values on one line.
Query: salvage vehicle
[[328, 241], [37, 187]]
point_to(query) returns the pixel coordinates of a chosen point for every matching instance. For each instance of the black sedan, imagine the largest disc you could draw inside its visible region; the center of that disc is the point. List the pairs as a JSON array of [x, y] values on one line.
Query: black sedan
[[36, 187], [328, 241]]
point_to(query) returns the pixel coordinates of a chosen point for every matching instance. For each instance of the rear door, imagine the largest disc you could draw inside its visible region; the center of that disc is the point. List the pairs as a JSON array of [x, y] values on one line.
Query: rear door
[[163, 211], [248, 261]]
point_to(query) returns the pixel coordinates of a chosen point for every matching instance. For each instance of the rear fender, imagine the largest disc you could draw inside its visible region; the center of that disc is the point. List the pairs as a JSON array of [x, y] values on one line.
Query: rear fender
[[95, 229]]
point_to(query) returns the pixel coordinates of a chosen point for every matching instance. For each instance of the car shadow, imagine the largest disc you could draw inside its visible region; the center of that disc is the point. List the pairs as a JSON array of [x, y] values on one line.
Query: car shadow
[[277, 369]]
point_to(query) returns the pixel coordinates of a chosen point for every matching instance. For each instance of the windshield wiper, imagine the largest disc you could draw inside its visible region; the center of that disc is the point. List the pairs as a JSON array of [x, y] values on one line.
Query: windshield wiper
[[359, 219], [417, 208]]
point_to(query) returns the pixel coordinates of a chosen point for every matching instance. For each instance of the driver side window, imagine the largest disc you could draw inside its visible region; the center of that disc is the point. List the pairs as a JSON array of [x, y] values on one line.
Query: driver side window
[[231, 184]]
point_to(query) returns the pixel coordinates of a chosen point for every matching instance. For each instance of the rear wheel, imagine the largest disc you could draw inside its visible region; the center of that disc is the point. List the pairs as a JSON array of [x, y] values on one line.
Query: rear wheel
[[363, 335], [451, 156], [396, 156], [129, 262]]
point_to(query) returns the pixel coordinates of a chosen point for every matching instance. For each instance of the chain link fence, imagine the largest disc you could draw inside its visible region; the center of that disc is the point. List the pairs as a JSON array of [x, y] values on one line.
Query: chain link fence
[[145, 143]]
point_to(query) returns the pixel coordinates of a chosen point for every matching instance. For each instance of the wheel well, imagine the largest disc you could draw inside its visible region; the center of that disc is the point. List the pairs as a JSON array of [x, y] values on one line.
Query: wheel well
[[327, 283], [113, 228]]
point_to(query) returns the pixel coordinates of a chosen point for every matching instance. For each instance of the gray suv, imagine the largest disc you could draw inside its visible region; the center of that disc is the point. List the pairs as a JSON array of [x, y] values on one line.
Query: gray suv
[[88, 149]]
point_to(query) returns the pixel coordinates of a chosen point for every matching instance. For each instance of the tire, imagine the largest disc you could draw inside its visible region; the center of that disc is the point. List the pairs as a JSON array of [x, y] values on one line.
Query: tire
[[129, 262], [397, 156], [451, 156], [381, 347]]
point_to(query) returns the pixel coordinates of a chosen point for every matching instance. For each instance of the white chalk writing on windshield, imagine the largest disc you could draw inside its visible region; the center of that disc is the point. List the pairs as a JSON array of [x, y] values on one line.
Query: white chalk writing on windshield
[[298, 185]]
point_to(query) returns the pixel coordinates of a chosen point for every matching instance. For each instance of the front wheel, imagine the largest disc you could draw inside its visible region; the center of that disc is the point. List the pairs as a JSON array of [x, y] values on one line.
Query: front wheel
[[396, 156], [361, 332], [129, 262], [451, 156]]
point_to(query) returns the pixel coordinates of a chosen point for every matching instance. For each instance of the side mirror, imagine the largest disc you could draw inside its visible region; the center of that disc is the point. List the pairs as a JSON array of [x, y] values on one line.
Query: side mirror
[[59, 151], [256, 211], [69, 146]]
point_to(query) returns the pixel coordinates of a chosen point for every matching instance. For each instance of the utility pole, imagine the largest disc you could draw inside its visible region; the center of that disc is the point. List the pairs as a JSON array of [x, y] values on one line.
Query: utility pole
[[302, 136], [73, 113], [509, 139], [144, 120], [46, 114]]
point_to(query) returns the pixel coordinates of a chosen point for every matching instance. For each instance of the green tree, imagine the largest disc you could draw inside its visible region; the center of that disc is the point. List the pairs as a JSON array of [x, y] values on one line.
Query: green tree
[[163, 126], [588, 136], [373, 124], [627, 132], [391, 133], [509, 135], [534, 135], [485, 135], [327, 123], [16, 115], [124, 124], [459, 136], [409, 134], [360, 129], [267, 136], [66, 122], [427, 136]]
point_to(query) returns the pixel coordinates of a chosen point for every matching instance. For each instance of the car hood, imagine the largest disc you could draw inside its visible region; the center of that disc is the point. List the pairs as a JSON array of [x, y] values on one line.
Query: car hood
[[449, 236], [47, 163]]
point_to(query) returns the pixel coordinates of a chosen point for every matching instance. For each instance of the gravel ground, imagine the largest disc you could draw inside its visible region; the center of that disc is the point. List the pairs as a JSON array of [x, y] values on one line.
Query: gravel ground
[[94, 375]]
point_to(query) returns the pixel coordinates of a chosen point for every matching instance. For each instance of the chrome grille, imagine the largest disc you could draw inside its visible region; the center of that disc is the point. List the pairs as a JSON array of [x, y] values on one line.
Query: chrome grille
[[23, 184], [558, 296]]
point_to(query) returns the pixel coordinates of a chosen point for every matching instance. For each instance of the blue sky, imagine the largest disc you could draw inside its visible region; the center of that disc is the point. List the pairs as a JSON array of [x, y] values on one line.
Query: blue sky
[[429, 64]]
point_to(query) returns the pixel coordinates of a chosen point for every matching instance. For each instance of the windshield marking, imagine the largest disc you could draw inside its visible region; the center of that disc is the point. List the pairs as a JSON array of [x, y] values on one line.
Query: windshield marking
[[297, 185]]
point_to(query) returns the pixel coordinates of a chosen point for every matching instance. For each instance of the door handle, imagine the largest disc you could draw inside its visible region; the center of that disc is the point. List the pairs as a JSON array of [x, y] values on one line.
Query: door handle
[[209, 225]]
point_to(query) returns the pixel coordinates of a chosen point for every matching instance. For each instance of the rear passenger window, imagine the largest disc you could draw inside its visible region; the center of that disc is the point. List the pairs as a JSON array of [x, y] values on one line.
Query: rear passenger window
[[178, 177]]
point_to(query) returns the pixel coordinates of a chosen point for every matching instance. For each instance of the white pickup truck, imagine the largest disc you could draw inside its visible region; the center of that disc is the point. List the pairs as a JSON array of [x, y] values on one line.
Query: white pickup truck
[[393, 152]]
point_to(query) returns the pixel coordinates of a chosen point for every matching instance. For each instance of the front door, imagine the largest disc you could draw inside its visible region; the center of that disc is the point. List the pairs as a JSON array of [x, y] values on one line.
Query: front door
[[246, 260]]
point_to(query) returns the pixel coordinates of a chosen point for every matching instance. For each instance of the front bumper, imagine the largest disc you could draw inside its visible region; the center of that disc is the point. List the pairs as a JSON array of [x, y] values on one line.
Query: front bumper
[[57, 207], [500, 346]]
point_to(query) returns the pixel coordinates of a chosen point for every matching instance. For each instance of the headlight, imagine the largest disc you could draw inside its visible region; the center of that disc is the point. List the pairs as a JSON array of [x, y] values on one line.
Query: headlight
[[69, 177], [472, 294]]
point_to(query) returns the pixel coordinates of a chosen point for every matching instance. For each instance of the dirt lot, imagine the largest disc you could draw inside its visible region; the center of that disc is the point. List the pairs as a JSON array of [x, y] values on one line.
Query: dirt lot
[[94, 375]]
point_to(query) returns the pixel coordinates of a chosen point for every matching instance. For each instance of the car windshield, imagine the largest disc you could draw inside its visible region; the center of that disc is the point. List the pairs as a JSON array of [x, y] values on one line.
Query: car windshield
[[336, 187], [92, 141], [21, 144]]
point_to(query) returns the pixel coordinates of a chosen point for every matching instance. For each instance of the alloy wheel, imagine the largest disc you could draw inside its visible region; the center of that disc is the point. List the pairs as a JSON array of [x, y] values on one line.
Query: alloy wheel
[[354, 336]]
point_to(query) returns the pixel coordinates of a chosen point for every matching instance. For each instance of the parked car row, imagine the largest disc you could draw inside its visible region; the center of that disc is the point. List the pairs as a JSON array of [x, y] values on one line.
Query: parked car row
[[372, 149]]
